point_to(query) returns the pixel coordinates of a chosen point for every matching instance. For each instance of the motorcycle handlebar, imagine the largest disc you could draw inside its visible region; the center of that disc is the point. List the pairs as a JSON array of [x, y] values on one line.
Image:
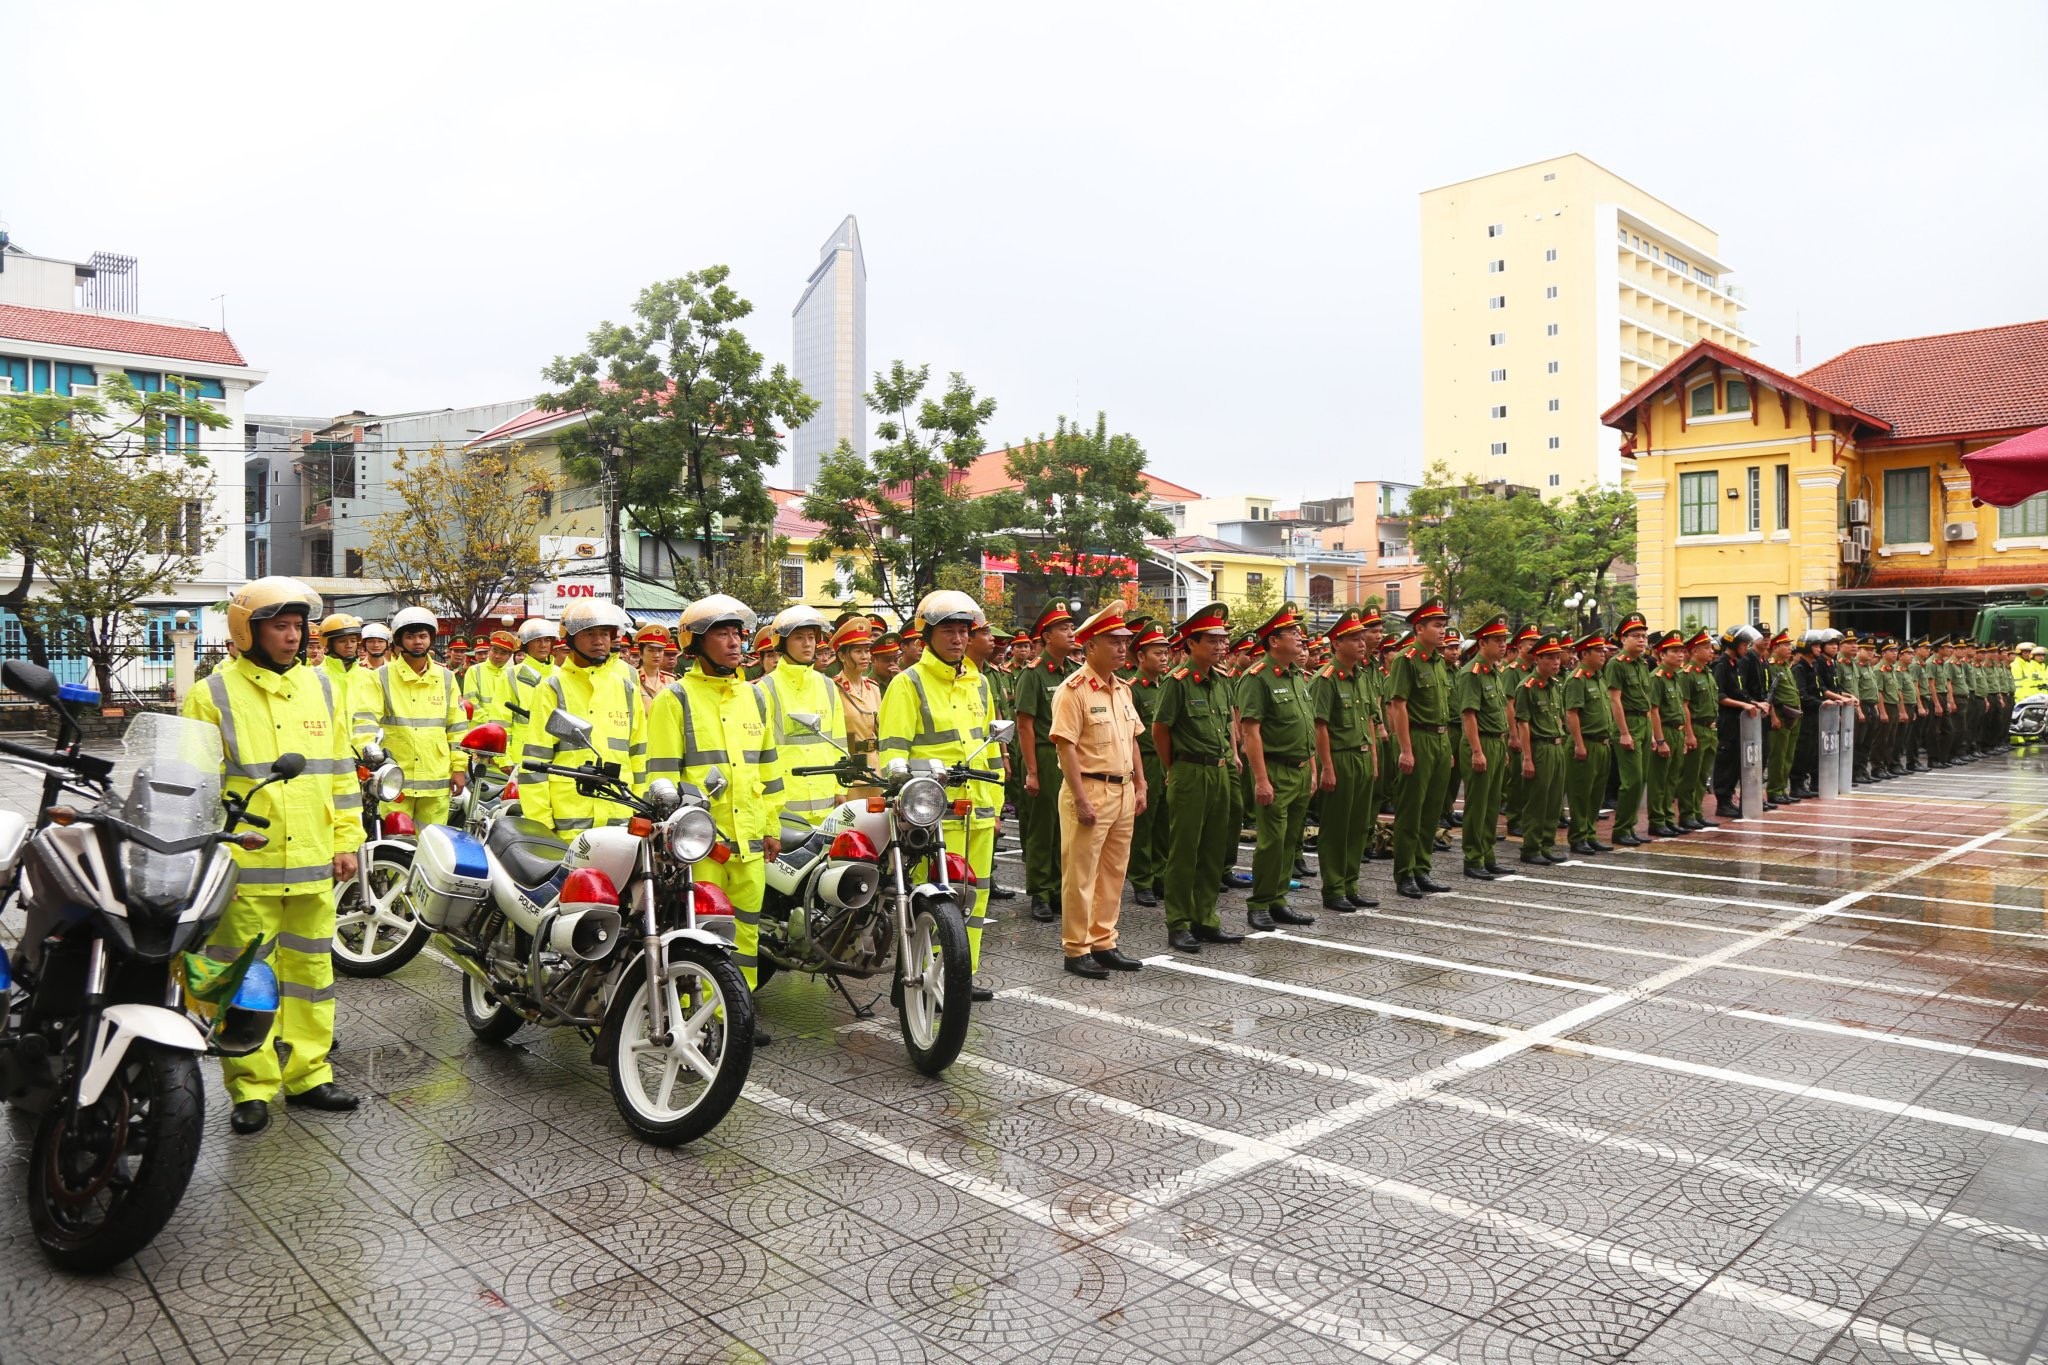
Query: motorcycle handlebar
[[980, 774], [829, 770]]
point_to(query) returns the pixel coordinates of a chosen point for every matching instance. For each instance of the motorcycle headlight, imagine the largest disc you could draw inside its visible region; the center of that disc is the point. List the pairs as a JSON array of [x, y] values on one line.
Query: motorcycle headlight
[[155, 882], [689, 834], [390, 782], [921, 801]]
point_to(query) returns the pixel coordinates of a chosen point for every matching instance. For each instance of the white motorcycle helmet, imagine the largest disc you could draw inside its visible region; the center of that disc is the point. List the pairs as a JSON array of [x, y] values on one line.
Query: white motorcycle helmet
[[412, 617], [537, 629], [377, 630], [588, 614], [798, 618], [709, 613]]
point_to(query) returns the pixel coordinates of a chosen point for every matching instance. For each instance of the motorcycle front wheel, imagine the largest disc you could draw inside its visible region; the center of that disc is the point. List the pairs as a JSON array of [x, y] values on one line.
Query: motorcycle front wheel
[[376, 937], [675, 1091], [103, 1183], [488, 1017], [937, 985]]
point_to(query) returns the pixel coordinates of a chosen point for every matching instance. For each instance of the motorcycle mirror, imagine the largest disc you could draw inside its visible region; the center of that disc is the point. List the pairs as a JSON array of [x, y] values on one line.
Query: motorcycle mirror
[[373, 755], [30, 680], [285, 767], [663, 796], [809, 720], [570, 729], [999, 734], [714, 781]]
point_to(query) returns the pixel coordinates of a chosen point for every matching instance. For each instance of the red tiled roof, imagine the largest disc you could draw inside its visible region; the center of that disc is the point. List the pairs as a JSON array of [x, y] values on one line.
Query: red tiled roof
[[1998, 575], [1622, 415], [990, 473], [1186, 545], [92, 331], [1993, 379]]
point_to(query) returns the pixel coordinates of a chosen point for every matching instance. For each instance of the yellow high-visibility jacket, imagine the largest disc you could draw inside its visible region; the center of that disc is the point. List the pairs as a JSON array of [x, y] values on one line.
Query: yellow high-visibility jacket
[[422, 720], [934, 710], [793, 688], [525, 675], [611, 703], [317, 814], [701, 721], [489, 689]]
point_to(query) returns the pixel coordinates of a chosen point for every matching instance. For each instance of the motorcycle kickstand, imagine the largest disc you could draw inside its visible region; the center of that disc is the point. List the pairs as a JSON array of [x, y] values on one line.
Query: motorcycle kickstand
[[859, 1011]]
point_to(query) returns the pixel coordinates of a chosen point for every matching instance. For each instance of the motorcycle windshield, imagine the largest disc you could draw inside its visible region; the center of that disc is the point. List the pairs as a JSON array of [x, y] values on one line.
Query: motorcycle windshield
[[173, 791]]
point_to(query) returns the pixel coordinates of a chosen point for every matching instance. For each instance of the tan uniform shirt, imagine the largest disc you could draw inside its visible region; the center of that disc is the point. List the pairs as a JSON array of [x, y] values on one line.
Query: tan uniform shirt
[[1101, 721]]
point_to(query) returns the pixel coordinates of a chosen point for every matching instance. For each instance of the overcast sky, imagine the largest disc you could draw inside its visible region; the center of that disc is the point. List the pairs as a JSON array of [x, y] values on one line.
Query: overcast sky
[[1201, 218]]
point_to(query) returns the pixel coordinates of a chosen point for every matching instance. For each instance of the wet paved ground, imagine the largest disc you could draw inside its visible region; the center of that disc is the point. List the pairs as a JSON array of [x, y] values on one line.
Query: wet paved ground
[[1773, 1092]]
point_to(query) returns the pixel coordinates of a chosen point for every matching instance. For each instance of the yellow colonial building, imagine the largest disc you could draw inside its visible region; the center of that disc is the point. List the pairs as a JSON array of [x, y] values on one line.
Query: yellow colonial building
[[1837, 496]]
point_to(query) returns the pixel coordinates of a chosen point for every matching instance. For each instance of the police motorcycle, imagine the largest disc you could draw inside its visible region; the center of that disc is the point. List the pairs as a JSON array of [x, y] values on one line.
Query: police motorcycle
[[841, 899], [106, 1003], [537, 927]]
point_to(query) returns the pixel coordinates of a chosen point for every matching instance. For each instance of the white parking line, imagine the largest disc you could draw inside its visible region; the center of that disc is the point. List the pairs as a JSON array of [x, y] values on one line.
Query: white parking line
[[1868, 1201], [1746, 831], [1819, 911], [1869, 1035], [1288, 936], [1554, 1038]]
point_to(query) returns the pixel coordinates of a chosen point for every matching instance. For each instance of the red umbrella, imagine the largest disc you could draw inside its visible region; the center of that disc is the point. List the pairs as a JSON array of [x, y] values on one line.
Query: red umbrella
[[2010, 472]]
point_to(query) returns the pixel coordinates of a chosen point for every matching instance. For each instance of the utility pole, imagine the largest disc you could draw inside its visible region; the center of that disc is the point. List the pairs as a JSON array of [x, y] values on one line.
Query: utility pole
[[614, 561]]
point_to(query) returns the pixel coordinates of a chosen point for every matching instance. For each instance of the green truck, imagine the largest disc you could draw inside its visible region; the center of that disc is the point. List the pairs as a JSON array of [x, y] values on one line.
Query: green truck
[[2008, 623]]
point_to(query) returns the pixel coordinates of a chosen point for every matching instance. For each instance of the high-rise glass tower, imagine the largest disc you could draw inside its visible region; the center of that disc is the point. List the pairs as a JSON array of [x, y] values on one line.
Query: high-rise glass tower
[[831, 351]]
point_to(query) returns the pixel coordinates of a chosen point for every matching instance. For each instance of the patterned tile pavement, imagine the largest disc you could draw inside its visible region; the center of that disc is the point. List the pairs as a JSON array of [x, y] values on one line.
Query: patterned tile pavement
[[1775, 1092]]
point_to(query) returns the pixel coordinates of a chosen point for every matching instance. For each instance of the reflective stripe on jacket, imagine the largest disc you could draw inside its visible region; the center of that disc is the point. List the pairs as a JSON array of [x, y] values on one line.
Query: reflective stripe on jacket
[[611, 703], [489, 689], [314, 816], [701, 721]]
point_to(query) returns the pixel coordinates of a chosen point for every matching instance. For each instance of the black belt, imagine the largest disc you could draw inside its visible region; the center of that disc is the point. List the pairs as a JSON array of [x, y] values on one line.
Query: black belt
[[1548, 739], [1626, 712], [1493, 734], [1179, 759], [1272, 759], [1431, 729], [1114, 779]]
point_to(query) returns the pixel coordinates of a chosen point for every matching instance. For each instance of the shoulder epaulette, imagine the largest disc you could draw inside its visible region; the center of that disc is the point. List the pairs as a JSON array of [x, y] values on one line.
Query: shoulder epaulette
[[1327, 671], [1178, 671]]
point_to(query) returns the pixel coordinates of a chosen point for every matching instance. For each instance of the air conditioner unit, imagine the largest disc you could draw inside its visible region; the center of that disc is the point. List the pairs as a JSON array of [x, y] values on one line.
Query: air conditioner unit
[[1959, 530], [1859, 511], [1852, 553], [1859, 536]]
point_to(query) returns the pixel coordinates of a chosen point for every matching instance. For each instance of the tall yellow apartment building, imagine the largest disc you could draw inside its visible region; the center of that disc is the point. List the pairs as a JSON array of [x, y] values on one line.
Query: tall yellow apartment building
[[1837, 496], [1548, 292]]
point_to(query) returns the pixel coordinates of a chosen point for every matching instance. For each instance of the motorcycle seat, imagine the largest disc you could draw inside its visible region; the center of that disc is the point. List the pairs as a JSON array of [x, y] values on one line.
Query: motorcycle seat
[[529, 850]]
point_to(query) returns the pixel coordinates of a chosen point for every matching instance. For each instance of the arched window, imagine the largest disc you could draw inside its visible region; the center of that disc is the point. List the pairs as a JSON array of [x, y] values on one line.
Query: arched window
[[1738, 395]]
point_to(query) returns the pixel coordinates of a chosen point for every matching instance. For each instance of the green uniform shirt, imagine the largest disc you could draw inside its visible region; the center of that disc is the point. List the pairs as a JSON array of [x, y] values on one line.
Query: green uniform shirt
[[1034, 695], [1343, 702], [1195, 709], [1632, 678], [1667, 699], [1702, 697], [1912, 679], [1424, 683], [1539, 704], [1482, 690], [1891, 683], [1869, 685], [1586, 693], [1784, 688], [1145, 695], [1279, 700]]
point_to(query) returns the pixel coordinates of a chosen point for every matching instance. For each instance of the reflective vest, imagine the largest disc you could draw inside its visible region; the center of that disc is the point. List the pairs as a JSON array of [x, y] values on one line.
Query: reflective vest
[[933, 710], [314, 816], [421, 717], [794, 688], [701, 721], [489, 688], [611, 703]]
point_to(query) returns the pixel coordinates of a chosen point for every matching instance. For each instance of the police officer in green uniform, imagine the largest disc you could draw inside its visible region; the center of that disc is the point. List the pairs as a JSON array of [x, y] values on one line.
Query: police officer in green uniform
[[1703, 709], [1191, 731], [1589, 719], [1479, 697], [1539, 715], [1419, 714], [1347, 761], [1149, 834], [1054, 631], [1778, 749], [1628, 694], [1517, 666], [1374, 678], [1277, 724], [1671, 737]]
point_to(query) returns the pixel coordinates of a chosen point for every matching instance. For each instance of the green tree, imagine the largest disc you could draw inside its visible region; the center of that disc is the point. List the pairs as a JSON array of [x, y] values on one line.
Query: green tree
[[1520, 556], [749, 567], [894, 518], [1255, 604], [681, 417], [465, 532], [1595, 534], [967, 578], [106, 499], [1080, 504]]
